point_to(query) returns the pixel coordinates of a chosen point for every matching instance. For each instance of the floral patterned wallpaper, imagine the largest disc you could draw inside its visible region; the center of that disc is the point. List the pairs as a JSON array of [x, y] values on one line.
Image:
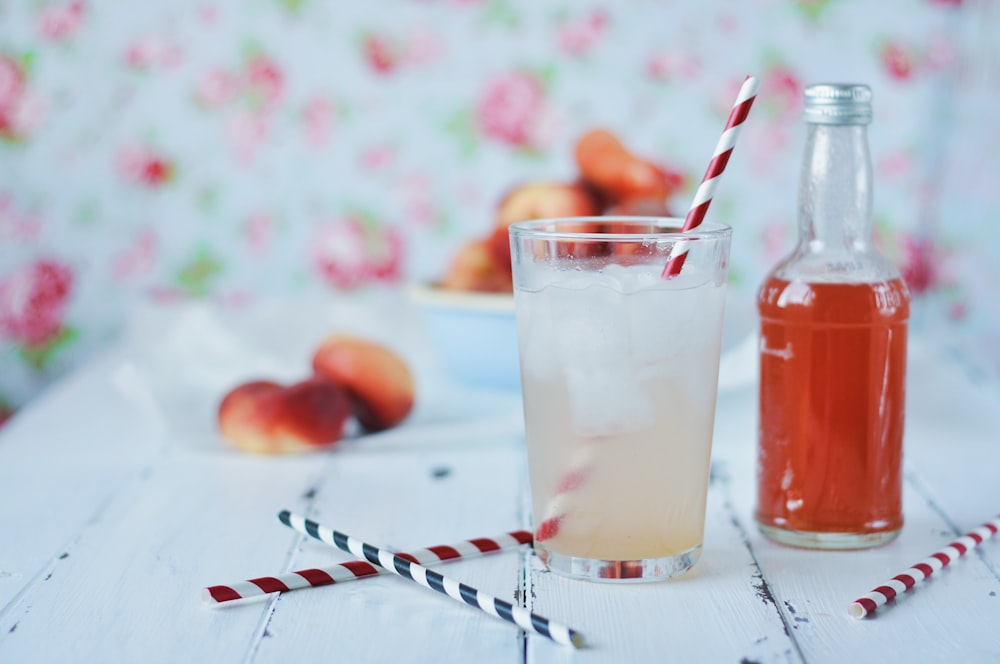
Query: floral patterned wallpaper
[[242, 149]]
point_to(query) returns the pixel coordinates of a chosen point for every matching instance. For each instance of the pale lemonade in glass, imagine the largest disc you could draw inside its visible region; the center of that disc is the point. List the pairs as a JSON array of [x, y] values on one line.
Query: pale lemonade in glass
[[619, 370]]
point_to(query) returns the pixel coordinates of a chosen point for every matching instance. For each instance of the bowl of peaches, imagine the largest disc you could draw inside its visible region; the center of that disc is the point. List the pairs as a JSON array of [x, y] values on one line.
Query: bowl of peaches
[[469, 312]]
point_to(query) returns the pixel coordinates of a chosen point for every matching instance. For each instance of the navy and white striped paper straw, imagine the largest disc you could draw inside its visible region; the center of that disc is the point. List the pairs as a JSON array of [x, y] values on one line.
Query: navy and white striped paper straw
[[427, 578], [900, 583]]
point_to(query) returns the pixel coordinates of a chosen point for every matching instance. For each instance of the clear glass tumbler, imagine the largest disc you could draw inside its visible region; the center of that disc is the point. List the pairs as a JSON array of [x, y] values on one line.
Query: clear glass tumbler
[[619, 373]]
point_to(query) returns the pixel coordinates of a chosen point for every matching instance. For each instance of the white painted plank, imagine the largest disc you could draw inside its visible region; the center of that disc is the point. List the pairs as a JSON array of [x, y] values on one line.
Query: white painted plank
[[145, 527], [719, 611], [950, 612], [128, 587], [407, 500], [957, 609], [136, 532], [61, 459]]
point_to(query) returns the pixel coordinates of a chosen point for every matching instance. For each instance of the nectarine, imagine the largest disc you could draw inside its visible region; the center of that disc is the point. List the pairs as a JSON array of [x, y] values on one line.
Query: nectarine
[[606, 164], [378, 381], [268, 418], [546, 200], [538, 200], [475, 267], [499, 245]]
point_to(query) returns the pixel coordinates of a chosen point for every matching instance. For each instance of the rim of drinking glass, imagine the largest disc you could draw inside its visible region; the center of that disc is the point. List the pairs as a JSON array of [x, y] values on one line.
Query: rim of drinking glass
[[671, 226]]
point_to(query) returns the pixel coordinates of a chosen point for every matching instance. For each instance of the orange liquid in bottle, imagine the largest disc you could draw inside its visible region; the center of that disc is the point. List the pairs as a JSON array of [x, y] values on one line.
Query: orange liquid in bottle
[[832, 370]]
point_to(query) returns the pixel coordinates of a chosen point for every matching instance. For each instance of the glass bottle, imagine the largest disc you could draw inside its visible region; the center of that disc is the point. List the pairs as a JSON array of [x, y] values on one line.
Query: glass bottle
[[833, 327]]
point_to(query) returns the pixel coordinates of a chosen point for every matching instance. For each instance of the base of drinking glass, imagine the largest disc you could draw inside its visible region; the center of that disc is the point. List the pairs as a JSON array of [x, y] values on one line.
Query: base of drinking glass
[[618, 571], [830, 541]]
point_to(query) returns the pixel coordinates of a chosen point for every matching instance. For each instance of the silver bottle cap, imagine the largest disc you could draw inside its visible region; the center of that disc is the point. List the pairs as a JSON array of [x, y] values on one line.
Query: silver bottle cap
[[838, 103]]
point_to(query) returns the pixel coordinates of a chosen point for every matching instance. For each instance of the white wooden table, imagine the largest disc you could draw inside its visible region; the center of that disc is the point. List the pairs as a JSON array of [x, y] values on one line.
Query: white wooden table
[[117, 507]]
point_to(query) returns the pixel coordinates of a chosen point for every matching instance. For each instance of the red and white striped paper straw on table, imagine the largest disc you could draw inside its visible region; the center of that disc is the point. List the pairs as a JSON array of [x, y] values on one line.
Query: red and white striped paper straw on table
[[710, 181], [460, 592], [902, 582], [359, 569]]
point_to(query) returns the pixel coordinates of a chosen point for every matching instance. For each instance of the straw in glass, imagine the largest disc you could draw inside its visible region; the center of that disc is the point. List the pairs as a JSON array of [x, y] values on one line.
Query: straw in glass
[[579, 468], [710, 181], [359, 569], [561, 503], [902, 582], [529, 622]]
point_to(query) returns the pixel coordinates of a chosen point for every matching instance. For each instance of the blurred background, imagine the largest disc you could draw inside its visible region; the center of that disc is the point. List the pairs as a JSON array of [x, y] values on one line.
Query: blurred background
[[239, 150]]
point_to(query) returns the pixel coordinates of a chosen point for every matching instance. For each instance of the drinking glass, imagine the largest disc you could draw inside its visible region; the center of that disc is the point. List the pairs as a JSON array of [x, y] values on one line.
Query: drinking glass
[[619, 372]]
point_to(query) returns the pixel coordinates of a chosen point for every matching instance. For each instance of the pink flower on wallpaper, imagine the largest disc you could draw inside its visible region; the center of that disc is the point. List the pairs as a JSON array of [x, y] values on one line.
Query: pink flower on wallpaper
[[11, 84], [377, 157], [942, 53], [782, 89], [665, 65], [423, 46], [957, 311], [260, 81], [166, 294], [61, 20], [895, 165], [137, 258], [415, 190], [385, 54], [386, 260], [317, 121], [236, 298], [142, 165], [897, 61], [728, 24], [580, 36], [216, 88], [246, 133], [20, 109], [766, 147], [33, 302], [259, 231], [381, 53], [919, 266], [776, 241], [257, 88], [14, 225], [349, 253], [421, 210], [149, 52], [263, 81], [510, 108]]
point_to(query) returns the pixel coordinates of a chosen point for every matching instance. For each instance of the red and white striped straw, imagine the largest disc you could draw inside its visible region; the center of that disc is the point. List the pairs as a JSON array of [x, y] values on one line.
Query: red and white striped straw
[[432, 580], [560, 505], [579, 468], [710, 181], [902, 582], [359, 569]]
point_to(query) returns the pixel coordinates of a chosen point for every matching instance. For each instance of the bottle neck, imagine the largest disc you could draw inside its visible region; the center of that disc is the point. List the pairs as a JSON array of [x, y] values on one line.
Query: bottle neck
[[835, 190]]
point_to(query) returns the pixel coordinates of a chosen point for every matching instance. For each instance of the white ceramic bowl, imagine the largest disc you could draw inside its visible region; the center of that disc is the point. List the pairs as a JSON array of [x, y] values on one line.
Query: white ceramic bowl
[[474, 335]]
